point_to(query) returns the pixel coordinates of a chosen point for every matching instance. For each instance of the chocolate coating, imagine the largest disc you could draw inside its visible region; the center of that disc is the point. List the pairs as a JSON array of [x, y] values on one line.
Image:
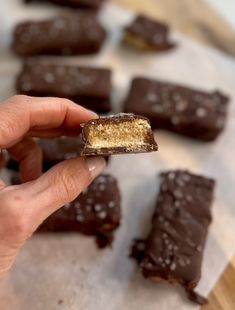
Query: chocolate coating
[[54, 151], [151, 34], [90, 87], [59, 149], [97, 125], [173, 251], [83, 4], [194, 113], [75, 34], [95, 212]]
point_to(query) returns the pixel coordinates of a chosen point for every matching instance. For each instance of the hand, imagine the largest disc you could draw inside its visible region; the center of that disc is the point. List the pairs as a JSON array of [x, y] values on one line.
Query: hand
[[24, 207]]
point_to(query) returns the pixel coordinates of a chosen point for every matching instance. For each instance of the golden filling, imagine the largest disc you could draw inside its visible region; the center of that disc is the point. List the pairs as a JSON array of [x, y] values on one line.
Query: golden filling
[[136, 41], [123, 134]]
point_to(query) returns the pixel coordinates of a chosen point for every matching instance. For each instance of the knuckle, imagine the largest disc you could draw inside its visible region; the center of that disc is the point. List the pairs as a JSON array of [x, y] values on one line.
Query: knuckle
[[68, 188], [65, 101], [20, 99]]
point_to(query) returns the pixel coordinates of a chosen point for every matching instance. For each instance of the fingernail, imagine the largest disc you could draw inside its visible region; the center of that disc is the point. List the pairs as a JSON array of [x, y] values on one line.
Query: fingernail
[[95, 165], [94, 115]]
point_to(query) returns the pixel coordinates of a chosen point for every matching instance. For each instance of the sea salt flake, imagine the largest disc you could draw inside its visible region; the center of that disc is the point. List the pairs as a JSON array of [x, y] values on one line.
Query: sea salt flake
[[111, 204], [49, 77], [173, 266], [152, 97], [102, 214], [171, 175], [80, 218], [201, 112], [67, 206], [98, 207], [181, 105]]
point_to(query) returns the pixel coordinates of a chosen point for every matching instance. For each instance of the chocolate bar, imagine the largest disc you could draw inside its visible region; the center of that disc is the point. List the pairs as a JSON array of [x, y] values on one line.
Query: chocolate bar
[[173, 251], [194, 113], [118, 134], [59, 149], [80, 4], [147, 34], [95, 212], [75, 34], [90, 87], [54, 151]]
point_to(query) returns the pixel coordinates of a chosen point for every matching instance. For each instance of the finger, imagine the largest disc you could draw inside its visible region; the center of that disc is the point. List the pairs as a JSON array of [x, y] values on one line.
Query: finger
[[60, 185], [29, 155], [20, 114], [2, 184]]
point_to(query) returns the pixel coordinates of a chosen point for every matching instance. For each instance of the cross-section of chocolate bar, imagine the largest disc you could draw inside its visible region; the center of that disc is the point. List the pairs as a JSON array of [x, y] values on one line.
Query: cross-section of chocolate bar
[[173, 251], [147, 34], [80, 4], [88, 86], [195, 113], [118, 134], [74, 34]]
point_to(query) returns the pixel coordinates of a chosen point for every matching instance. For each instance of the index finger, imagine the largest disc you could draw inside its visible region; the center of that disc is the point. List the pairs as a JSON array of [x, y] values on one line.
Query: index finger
[[20, 114]]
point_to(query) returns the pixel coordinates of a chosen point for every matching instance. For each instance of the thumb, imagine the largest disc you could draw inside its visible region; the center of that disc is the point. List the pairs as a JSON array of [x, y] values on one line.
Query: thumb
[[58, 186]]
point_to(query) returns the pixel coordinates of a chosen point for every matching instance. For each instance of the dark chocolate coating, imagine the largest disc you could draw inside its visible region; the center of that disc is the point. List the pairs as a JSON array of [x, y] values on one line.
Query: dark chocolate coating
[[95, 212], [54, 151], [90, 87], [194, 113], [80, 4], [150, 145], [174, 248], [59, 149], [152, 32], [75, 34]]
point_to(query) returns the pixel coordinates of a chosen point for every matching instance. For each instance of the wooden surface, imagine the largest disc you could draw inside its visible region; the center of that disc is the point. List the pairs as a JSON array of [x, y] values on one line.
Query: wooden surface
[[223, 295], [197, 19]]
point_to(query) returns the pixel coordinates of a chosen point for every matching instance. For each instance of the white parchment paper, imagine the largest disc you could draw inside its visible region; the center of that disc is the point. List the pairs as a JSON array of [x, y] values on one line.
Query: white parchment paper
[[69, 268]]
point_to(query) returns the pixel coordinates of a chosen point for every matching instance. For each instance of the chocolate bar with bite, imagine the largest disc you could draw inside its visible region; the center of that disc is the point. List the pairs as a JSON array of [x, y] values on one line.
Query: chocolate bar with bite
[[75, 34], [194, 113], [147, 34], [173, 251], [118, 134], [88, 86], [80, 4]]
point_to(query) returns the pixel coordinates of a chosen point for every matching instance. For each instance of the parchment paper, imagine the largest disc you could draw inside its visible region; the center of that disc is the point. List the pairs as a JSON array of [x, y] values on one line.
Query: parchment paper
[[68, 271]]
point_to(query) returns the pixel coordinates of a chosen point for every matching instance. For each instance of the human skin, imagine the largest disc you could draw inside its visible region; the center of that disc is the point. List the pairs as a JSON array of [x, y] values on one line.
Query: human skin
[[24, 207]]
